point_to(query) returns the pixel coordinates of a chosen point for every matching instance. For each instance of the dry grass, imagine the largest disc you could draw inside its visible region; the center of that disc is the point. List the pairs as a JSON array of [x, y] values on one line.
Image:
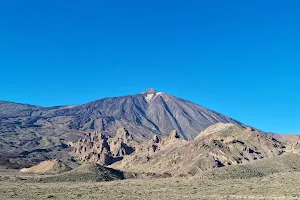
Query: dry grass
[[273, 178], [277, 186], [265, 179]]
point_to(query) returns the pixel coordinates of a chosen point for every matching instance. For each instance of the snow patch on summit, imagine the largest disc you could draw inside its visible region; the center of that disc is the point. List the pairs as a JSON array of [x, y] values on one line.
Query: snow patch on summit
[[149, 97]]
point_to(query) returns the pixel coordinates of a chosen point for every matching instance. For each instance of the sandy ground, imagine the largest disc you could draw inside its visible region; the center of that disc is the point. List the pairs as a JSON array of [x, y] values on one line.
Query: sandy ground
[[276, 186]]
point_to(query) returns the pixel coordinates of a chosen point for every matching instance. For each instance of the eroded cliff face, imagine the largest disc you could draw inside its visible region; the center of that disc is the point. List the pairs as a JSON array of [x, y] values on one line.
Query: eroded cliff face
[[95, 147], [122, 144]]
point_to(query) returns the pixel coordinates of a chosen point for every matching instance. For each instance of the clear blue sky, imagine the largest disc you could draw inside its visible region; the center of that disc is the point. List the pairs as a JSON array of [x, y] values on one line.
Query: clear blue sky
[[240, 58]]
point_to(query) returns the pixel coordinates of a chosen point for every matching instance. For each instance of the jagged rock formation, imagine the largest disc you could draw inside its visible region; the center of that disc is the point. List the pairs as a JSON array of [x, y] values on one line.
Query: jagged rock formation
[[47, 167], [122, 144], [158, 144], [95, 147], [217, 146], [145, 150]]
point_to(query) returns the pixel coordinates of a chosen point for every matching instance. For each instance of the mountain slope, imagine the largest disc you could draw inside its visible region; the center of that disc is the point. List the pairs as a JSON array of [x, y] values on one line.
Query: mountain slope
[[144, 114], [27, 129]]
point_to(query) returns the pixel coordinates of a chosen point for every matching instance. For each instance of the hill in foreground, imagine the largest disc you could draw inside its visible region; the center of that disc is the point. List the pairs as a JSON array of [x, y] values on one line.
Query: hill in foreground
[[84, 173], [47, 167]]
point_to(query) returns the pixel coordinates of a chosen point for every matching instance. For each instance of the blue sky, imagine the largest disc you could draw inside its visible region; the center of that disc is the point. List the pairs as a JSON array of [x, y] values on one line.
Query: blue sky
[[240, 58]]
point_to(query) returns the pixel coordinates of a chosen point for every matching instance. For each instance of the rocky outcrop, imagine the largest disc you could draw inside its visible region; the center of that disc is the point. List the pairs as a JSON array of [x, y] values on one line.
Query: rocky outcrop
[[217, 146], [95, 147], [157, 143], [156, 139], [122, 144], [149, 150]]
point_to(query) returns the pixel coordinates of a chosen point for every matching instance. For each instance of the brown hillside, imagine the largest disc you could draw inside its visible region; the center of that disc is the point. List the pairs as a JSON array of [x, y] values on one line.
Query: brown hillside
[[217, 146], [47, 167]]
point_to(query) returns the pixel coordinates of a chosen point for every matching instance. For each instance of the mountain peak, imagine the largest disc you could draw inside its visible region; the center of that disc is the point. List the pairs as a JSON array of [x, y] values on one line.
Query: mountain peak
[[150, 91]]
